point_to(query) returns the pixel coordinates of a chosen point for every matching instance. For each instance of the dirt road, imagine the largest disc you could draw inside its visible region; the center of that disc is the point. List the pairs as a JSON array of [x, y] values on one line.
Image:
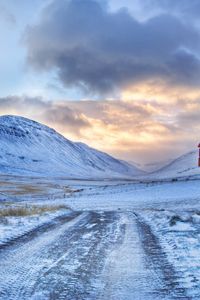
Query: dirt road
[[90, 255]]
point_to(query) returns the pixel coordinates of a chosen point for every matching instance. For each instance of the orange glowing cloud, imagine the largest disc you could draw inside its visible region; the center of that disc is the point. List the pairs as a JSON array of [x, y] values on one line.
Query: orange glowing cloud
[[159, 90], [140, 130]]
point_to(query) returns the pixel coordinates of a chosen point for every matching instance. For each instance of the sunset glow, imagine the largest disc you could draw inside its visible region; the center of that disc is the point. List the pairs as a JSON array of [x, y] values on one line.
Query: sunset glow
[[123, 80]]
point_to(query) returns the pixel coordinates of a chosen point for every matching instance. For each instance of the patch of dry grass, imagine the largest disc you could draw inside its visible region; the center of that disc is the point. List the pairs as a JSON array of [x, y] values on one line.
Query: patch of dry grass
[[34, 189], [22, 211], [24, 190]]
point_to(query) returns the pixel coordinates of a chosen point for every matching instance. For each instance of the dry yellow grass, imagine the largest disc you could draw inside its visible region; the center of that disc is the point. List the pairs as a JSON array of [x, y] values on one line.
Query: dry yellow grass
[[22, 189], [22, 211]]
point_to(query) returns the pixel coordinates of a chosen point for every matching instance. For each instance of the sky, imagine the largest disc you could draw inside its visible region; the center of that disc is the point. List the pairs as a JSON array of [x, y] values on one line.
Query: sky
[[122, 76]]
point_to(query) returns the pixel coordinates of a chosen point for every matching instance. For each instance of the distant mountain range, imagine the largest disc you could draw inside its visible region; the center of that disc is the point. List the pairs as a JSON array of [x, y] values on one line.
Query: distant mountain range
[[28, 147], [152, 166], [184, 166]]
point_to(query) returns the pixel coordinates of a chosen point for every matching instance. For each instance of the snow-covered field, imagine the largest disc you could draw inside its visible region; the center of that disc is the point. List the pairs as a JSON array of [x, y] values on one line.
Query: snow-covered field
[[99, 239]]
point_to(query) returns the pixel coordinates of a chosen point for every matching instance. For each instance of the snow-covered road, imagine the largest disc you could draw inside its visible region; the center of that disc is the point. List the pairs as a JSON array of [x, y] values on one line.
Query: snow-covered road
[[108, 241], [92, 255]]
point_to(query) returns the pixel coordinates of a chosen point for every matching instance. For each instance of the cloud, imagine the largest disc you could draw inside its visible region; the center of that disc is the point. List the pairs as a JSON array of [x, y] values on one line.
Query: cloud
[[183, 7], [143, 130], [100, 51], [133, 130], [55, 114], [7, 16]]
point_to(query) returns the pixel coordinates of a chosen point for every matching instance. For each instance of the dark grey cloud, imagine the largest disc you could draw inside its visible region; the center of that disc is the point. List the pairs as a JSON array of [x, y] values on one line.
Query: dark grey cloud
[[184, 7], [91, 47], [185, 67]]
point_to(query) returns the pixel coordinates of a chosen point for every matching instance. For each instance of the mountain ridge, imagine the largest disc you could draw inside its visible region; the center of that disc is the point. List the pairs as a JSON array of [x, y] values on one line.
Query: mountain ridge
[[185, 165], [28, 146]]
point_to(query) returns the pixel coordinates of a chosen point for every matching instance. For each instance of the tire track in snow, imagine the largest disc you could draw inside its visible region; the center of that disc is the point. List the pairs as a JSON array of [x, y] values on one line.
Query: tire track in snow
[[97, 255], [138, 268], [157, 259], [125, 274], [77, 274], [47, 226], [21, 265], [63, 263]]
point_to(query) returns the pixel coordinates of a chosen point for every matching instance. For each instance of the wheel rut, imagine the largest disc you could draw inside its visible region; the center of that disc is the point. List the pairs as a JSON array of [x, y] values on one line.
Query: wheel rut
[[87, 256]]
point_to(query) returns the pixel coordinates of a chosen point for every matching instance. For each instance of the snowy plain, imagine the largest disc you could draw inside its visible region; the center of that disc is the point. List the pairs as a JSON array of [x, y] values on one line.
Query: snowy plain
[[116, 240]]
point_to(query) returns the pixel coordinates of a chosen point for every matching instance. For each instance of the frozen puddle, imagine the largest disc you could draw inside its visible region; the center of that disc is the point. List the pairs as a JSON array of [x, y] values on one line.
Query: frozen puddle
[[96, 255]]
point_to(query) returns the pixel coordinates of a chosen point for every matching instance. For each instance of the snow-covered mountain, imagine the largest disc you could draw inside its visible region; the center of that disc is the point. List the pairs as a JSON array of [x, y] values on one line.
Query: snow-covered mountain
[[152, 166], [28, 147], [184, 166]]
